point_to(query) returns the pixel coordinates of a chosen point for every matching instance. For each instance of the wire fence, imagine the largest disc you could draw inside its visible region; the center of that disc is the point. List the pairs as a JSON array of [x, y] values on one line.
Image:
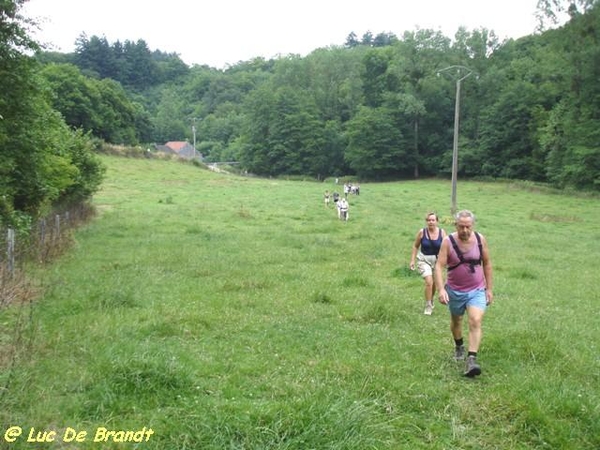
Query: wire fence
[[21, 252]]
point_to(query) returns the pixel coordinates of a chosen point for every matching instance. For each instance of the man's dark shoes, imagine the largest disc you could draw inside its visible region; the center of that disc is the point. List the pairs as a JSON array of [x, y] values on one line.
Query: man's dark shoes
[[459, 353], [472, 368]]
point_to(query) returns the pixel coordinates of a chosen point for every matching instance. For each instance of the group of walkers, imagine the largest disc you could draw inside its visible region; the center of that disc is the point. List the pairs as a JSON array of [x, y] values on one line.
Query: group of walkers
[[465, 256], [341, 204], [350, 188]]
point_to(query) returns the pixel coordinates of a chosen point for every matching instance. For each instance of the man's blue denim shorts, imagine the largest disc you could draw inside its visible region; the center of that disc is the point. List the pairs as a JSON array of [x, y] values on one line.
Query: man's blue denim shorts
[[460, 300]]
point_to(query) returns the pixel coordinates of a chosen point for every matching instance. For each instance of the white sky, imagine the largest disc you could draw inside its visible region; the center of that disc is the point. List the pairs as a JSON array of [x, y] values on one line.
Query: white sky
[[223, 32]]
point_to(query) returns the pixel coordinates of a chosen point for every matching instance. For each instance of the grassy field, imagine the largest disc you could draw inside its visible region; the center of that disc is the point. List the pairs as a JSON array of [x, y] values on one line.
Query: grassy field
[[239, 313]]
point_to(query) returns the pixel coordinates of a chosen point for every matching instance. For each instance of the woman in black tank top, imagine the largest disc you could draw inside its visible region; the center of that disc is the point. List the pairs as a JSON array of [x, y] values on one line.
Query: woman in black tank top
[[424, 251]]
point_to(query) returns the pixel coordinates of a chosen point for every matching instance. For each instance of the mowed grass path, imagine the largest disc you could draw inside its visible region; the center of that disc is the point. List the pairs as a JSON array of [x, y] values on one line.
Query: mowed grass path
[[239, 313]]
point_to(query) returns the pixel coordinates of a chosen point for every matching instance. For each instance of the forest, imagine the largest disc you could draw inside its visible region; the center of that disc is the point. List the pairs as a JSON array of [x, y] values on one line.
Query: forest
[[375, 107]]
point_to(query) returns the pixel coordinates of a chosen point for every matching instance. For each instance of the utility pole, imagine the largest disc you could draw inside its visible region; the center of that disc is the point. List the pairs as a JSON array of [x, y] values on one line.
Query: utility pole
[[194, 134], [458, 73]]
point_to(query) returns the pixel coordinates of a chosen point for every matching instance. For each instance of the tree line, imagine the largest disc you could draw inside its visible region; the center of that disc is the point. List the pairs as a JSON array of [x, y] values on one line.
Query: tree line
[[379, 107], [44, 163]]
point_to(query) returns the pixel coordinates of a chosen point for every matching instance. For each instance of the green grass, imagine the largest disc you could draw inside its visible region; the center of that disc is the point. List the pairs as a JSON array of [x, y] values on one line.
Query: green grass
[[239, 313]]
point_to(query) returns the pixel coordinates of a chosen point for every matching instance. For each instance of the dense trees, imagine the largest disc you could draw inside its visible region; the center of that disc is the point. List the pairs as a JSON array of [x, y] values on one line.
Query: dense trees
[[570, 137], [132, 64], [384, 113], [42, 161]]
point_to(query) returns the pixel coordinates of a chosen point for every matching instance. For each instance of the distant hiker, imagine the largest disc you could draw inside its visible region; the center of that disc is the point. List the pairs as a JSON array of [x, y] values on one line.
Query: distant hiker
[[347, 188], [343, 208], [336, 197]]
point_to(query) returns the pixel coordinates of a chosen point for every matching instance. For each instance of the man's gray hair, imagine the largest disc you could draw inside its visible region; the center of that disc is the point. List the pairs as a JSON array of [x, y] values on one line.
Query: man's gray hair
[[464, 213]]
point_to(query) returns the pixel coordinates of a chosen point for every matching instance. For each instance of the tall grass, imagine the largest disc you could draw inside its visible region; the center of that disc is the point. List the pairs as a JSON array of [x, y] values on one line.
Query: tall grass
[[240, 313]]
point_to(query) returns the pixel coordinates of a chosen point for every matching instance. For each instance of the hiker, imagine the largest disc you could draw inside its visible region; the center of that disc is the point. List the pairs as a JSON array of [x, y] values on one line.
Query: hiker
[[343, 209], [469, 285], [336, 197], [347, 187], [425, 251]]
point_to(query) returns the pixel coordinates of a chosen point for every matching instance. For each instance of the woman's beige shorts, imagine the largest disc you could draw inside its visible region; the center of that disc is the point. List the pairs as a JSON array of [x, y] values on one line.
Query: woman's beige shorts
[[425, 264]]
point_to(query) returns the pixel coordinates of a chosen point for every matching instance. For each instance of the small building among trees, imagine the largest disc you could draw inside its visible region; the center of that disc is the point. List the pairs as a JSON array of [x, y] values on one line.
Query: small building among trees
[[183, 149]]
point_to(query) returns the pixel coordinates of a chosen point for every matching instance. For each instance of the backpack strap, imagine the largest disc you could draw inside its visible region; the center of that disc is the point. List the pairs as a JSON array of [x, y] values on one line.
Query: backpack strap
[[472, 262]]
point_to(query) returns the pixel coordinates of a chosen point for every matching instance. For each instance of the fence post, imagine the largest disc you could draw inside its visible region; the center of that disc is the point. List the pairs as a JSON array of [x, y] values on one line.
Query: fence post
[[10, 251], [42, 232], [57, 226], [42, 244]]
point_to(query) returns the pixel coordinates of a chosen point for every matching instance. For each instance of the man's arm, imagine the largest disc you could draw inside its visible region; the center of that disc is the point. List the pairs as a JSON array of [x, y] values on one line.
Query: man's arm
[[488, 272], [440, 265]]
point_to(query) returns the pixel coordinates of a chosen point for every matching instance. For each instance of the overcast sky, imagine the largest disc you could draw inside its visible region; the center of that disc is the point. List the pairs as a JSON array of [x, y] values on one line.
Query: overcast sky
[[223, 32]]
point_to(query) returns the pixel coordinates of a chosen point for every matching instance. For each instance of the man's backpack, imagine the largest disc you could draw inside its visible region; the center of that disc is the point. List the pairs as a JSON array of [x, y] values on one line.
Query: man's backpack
[[471, 262]]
